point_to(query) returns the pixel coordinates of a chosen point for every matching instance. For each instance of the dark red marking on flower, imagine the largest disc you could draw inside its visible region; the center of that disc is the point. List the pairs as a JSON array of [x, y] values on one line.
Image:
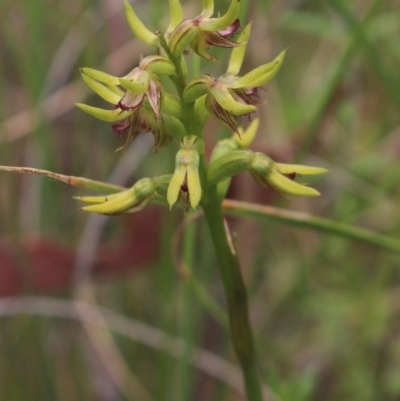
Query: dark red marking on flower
[[291, 176], [121, 126], [231, 29], [130, 101], [248, 96], [154, 95], [216, 39]]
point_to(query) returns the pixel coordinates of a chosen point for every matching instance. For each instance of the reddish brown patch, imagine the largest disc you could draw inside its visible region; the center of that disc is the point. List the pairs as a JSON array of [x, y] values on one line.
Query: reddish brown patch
[[41, 265]]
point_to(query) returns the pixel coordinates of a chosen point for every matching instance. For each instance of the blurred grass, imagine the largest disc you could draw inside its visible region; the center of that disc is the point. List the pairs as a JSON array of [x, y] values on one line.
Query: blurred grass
[[325, 309]]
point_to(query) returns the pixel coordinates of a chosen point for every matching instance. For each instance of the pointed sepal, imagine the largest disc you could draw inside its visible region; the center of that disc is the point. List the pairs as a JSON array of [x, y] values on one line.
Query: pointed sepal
[[138, 28]]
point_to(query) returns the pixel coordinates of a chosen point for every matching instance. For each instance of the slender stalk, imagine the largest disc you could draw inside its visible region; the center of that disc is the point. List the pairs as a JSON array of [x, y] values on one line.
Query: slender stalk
[[187, 321], [305, 220], [236, 294], [228, 262]]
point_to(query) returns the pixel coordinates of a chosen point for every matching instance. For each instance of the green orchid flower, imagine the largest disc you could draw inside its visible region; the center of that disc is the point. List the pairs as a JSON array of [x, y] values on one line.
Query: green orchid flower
[[264, 170], [138, 101], [185, 182], [230, 96], [202, 32]]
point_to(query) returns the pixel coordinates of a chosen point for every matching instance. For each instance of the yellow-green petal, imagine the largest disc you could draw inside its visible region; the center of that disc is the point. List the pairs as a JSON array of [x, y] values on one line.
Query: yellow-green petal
[[138, 28], [103, 91], [197, 88], [237, 55], [100, 76], [227, 102], [216, 24], [181, 37], [139, 85], [193, 183], [176, 14], [246, 137], [288, 186], [260, 75], [158, 65], [110, 116], [116, 203], [208, 8], [284, 168], [175, 184], [91, 199]]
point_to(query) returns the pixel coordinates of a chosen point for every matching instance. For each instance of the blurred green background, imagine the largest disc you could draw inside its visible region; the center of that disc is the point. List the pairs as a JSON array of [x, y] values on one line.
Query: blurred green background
[[325, 310]]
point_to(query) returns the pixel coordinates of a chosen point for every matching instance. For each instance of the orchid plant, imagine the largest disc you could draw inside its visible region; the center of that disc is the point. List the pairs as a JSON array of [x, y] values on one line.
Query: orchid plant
[[140, 103]]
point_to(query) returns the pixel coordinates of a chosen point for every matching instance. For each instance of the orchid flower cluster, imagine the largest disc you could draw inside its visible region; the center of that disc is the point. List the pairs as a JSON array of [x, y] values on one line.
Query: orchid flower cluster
[[140, 103]]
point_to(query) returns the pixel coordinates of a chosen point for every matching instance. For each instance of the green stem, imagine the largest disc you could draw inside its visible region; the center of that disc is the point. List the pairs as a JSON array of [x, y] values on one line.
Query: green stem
[[236, 294], [188, 321], [235, 290]]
